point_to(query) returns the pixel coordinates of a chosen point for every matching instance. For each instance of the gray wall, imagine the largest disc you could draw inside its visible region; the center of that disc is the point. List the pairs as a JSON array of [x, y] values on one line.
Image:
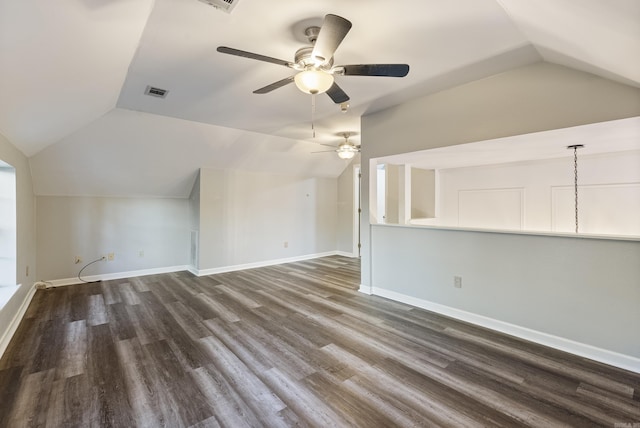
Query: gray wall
[[346, 208], [423, 193], [247, 217], [533, 98], [194, 224], [582, 289], [91, 227]]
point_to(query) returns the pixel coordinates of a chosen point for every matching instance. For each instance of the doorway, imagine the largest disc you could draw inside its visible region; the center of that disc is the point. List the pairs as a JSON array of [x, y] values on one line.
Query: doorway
[[357, 209]]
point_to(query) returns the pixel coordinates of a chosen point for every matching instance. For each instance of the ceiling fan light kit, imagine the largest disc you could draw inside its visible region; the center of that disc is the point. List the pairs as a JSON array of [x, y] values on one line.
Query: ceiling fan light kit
[[347, 151], [314, 81], [314, 64]]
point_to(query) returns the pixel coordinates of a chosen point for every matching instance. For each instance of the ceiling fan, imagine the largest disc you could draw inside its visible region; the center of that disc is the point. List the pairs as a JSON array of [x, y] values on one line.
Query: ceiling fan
[[314, 64], [346, 149]]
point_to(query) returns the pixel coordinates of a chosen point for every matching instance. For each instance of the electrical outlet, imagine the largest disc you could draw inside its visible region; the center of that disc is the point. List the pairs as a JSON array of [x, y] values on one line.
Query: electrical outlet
[[110, 257], [457, 281], [78, 260], [286, 244]]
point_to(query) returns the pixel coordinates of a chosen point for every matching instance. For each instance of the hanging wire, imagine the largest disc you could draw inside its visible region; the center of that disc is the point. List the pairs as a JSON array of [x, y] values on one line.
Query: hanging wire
[[86, 266], [575, 148]]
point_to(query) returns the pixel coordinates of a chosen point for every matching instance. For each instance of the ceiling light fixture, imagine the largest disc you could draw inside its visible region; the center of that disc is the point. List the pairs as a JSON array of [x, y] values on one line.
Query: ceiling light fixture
[[313, 81], [346, 151]]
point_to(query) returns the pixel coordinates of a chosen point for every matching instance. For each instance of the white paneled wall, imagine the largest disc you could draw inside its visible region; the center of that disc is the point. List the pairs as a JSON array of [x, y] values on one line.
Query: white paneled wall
[[491, 208], [539, 195], [612, 209]]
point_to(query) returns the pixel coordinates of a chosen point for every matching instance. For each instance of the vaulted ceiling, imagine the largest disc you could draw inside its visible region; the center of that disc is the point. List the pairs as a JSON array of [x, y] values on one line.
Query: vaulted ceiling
[[73, 75]]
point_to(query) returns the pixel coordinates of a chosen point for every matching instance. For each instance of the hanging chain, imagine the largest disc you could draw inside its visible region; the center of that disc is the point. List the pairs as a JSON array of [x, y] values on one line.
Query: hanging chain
[[575, 180], [575, 148], [313, 115]]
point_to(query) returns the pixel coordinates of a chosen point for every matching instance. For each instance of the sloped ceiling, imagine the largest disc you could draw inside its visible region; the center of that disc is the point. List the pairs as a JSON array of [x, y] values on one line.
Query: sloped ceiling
[[73, 75]]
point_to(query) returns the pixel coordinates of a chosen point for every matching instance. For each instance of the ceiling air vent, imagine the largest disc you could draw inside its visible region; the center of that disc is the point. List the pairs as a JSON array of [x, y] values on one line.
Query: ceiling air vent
[[156, 92], [223, 5]]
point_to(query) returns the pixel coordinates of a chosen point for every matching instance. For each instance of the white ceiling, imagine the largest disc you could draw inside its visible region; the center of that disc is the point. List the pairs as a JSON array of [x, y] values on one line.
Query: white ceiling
[[73, 75], [597, 138]]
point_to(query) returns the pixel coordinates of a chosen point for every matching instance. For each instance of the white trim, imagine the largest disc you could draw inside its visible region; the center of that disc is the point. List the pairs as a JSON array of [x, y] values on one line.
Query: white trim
[[357, 201], [7, 335], [345, 254], [264, 263], [626, 362], [6, 293], [365, 289], [192, 269], [116, 275]]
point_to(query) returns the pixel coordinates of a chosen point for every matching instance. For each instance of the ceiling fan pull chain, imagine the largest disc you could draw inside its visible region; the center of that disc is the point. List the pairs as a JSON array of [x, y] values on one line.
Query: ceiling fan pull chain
[[313, 115]]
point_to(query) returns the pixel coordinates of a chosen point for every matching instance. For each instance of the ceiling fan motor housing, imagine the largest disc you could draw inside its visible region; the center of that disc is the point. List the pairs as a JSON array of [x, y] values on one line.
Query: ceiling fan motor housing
[[312, 34], [304, 60]]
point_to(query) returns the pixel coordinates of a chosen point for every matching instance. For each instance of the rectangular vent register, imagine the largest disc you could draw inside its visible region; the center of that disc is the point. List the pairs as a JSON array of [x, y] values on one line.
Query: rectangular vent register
[[155, 92], [223, 5]]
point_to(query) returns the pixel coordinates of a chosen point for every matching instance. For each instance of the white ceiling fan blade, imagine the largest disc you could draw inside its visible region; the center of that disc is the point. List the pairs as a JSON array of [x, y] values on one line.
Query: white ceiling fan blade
[[333, 31], [251, 55], [274, 85]]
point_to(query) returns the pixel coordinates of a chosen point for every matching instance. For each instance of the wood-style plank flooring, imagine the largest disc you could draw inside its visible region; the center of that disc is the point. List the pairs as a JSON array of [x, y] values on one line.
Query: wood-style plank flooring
[[288, 345]]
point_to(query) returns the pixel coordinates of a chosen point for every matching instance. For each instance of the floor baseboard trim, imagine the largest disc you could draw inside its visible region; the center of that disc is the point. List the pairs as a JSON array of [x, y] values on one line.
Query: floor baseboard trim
[[116, 275], [365, 289], [605, 356], [234, 268], [7, 335], [345, 254]]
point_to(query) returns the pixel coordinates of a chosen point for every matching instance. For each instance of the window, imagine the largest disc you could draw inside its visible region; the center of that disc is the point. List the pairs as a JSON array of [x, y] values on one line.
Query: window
[[7, 225]]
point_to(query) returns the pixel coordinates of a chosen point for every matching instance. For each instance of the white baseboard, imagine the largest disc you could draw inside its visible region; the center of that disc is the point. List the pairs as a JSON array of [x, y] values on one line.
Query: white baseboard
[[615, 359], [366, 290], [15, 322], [265, 263], [116, 275], [193, 270], [345, 254]]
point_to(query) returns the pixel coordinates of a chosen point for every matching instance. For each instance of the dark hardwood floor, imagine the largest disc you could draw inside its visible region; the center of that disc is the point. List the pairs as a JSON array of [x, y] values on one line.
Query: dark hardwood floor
[[288, 345]]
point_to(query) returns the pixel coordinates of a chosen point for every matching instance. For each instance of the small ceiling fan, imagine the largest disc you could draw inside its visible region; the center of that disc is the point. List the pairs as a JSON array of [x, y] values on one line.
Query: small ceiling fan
[[314, 64], [346, 149]]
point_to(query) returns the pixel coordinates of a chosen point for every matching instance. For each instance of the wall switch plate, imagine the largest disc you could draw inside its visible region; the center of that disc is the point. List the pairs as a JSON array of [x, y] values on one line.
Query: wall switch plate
[[286, 244], [141, 253], [457, 281]]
